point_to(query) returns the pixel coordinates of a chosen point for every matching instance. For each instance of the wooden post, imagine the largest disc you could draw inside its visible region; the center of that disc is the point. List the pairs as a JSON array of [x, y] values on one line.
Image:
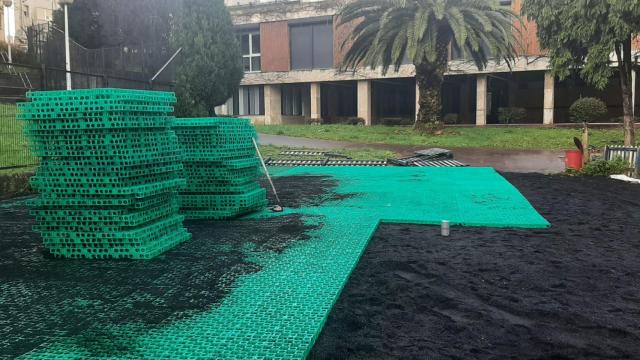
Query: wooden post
[[43, 78], [585, 144], [636, 170]]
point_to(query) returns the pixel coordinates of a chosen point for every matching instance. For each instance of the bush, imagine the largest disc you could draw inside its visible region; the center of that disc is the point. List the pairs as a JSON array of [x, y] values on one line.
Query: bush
[[356, 121], [19, 56], [450, 118], [512, 115], [588, 110], [605, 168], [395, 121]]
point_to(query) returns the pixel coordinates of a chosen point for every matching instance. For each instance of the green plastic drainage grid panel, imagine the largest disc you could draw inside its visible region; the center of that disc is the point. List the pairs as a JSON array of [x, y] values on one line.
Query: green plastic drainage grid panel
[[278, 312]]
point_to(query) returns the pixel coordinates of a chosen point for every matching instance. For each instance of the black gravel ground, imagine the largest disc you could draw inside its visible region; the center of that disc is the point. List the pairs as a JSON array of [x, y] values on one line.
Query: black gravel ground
[[568, 292], [572, 291], [41, 297]]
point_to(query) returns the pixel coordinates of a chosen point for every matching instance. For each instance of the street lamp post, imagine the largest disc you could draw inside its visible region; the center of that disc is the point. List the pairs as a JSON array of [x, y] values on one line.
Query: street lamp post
[[7, 33], [65, 4]]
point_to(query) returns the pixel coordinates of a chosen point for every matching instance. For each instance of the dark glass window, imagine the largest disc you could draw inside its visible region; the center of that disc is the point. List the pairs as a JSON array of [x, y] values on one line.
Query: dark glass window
[[311, 46], [292, 99], [249, 100], [244, 44], [255, 43]]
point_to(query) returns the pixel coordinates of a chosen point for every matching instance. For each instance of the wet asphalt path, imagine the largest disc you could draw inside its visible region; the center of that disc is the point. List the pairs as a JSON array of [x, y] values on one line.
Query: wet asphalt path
[[523, 161]]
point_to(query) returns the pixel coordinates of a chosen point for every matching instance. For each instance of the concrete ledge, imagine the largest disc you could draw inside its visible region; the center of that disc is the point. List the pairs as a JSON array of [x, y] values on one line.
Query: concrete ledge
[[456, 67]]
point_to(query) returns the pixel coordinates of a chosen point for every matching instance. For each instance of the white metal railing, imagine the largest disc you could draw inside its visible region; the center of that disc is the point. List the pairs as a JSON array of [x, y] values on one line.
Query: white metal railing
[[627, 153], [26, 82]]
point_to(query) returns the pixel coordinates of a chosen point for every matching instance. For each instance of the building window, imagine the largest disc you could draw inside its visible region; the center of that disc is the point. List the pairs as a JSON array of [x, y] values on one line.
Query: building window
[[311, 46], [293, 96], [249, 100], [250, 46]]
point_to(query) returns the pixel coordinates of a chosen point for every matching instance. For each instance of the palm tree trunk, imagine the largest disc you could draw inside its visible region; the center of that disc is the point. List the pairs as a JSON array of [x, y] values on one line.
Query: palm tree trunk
[[429, 78]]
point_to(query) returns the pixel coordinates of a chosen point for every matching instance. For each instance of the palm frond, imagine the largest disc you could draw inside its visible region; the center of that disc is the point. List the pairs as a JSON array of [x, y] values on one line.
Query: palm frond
[[388, 31]]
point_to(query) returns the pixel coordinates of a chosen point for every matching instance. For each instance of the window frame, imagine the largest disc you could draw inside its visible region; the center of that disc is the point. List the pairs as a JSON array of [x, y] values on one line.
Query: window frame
[[251, 55]]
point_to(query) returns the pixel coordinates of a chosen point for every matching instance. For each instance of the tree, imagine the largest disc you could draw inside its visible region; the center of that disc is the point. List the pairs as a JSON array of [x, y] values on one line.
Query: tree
[[209, 68], [112, 23], [582, 34], [139, 30], [422, 31], [84, 24]]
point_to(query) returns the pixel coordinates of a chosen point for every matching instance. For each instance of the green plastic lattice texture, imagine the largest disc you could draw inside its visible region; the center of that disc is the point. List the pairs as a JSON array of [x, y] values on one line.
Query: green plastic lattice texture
[[109, 173], [220, 166], [278, 312]]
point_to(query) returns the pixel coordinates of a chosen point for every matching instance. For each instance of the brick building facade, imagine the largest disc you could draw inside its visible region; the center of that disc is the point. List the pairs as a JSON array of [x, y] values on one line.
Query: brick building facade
[[292, 52]]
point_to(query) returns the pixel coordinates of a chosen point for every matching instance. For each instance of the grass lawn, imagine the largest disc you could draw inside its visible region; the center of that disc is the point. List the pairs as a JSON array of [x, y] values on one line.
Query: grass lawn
[[14, 148], [270, 151], [522, 138]]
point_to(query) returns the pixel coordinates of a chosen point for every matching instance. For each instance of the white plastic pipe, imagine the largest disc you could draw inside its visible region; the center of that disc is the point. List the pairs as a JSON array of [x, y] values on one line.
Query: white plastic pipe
[[445, 228], [264, 166], [66, 46]]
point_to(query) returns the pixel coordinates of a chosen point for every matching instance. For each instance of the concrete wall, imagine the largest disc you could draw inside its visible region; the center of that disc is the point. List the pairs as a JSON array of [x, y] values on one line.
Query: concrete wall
[[285, 120], [498, 85], [294, 120], [255, 120], [24, 14], [456, 67], [275, 17], [257, 13]]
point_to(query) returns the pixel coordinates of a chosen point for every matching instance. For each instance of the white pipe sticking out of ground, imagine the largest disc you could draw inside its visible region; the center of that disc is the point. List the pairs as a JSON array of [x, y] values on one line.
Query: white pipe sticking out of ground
[[278, 207], [625, 178]]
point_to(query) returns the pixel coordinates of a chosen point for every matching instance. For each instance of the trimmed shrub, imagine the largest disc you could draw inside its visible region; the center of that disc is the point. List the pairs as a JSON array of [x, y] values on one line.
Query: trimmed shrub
[[395, 121], [512, 115], [354, 121], [606, 168], [450, 118], [588, 110]]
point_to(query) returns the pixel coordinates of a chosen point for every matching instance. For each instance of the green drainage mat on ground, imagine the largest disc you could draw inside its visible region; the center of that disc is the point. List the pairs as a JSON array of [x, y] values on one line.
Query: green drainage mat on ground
[[278, 312]]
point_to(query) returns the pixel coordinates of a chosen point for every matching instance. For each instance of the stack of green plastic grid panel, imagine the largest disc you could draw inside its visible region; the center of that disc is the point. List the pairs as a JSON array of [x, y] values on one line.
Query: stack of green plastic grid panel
[[220, 166], [109, 172]]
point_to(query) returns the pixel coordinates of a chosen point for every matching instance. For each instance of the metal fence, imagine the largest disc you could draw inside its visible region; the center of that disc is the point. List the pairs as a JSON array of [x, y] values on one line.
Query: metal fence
[[14, 147], [16, 80], [138, 61], [628, 154], [128, 67]]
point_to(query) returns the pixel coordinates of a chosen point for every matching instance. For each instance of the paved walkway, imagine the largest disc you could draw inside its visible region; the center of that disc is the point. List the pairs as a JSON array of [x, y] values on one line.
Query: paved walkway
[[539, 161]]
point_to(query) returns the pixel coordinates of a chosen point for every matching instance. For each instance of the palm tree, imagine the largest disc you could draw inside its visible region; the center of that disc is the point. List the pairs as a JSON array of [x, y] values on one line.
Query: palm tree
[[388, 32]]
